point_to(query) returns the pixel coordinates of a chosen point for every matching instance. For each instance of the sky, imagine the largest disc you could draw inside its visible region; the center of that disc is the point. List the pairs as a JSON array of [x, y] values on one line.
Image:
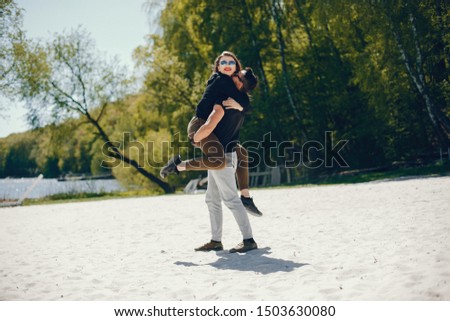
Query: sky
[[117, 26]]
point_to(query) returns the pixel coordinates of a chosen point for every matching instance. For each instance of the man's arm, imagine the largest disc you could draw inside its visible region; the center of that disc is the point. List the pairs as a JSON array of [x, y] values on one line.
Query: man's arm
[[207, 128]]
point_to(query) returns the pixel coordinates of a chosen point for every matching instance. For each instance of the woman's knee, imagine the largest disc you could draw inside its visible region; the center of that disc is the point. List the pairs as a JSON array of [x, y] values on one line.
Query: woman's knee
[[241, 152], [242, 156]]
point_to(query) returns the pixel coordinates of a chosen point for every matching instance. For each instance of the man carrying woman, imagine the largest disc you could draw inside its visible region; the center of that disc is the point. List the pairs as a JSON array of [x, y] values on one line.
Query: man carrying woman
[[217, 136]]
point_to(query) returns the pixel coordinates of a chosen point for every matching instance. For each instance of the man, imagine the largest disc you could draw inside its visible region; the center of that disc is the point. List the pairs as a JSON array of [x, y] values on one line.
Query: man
[[225, 124]]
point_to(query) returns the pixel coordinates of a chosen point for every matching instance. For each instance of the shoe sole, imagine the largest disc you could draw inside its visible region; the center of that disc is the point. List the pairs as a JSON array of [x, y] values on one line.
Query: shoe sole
[[162, 175], [254, 214], [243, 251], [215, 250]]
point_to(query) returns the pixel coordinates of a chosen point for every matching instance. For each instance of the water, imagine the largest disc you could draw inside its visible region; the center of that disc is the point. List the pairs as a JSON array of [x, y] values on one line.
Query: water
[[14, 188]]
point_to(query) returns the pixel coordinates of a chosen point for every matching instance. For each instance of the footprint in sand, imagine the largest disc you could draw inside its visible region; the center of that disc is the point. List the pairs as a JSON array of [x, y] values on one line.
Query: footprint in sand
[[95, 281]]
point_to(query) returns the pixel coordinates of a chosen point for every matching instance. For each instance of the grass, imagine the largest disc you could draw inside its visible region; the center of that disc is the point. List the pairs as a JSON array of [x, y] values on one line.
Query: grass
[[438, 169], [83, 197]]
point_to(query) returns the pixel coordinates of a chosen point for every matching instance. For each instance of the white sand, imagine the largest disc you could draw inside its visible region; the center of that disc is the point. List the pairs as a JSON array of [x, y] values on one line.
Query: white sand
[[386, 240]]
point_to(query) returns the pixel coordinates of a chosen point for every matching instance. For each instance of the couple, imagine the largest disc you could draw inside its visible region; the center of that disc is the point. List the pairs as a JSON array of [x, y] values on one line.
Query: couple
[[215, 129]]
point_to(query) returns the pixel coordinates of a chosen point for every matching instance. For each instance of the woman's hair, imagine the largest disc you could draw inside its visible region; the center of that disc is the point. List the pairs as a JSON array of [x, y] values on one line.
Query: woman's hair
[[229, 54], [249, 80]]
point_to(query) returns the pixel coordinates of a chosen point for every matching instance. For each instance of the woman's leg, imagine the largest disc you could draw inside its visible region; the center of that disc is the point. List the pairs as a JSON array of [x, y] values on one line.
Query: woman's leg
[[214, 158], [242, 170], [243, 178]]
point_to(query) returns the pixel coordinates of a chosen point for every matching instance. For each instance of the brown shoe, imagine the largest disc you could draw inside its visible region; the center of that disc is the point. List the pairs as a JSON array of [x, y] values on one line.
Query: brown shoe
[[211, 246]]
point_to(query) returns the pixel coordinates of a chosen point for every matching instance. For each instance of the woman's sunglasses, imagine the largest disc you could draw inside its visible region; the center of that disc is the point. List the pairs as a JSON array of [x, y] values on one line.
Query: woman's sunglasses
[[230, 63]]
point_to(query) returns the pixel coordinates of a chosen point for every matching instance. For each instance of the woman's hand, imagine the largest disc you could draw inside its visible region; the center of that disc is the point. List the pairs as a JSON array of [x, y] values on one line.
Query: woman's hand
[[230, 103]]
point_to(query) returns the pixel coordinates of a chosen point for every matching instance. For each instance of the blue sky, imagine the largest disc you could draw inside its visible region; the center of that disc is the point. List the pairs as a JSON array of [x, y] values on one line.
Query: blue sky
[[118, 26]]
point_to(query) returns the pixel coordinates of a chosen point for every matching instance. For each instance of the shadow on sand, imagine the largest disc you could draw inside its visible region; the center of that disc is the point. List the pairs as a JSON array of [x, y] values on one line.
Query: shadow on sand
[[255, 261]]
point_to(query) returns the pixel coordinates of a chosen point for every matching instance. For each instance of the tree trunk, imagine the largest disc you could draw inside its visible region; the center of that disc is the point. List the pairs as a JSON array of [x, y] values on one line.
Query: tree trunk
[[305, 23], [253, 38], [418, 79], [314, 70], [443, 29], [118, 155], [264, 84], [275, 12], [442, 118]]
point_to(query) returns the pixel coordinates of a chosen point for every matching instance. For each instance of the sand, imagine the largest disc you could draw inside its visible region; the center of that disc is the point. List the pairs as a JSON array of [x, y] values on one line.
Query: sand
[[385, 240]]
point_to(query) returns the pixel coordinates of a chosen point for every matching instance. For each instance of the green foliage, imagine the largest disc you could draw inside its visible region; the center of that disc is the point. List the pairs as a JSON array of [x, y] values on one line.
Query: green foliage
[[338, 61], [66, 78], [16, 160], [11, 37], [52, 151]]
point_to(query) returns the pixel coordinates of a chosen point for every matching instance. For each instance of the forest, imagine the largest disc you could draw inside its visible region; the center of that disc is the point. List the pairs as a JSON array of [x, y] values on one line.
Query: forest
[[366, 80]]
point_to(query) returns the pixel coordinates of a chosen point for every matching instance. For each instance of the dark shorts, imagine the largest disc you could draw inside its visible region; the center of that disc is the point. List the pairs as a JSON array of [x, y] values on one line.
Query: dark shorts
[[192, 128]]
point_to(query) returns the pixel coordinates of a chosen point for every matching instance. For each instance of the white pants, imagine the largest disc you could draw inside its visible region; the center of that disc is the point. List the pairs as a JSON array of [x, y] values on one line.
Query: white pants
[[222, 187]]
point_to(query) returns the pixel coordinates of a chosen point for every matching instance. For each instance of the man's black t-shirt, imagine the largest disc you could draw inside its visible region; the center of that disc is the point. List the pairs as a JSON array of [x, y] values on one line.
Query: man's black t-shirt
[[227, 130]]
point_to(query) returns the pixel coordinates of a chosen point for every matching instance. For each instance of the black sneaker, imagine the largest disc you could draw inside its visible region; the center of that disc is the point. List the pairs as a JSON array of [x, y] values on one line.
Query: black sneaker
[[210, 246], [245, 246], [250, 206], [171, 167]]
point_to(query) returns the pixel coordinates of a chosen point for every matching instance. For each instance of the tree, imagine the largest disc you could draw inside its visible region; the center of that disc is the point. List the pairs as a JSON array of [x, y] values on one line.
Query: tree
[[11, 38], [411, 46], [18, 160], [68, 78], [168, 99]]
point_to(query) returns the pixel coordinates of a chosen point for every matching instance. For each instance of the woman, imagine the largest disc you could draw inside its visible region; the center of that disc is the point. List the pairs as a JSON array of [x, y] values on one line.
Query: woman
[[228, 86]]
